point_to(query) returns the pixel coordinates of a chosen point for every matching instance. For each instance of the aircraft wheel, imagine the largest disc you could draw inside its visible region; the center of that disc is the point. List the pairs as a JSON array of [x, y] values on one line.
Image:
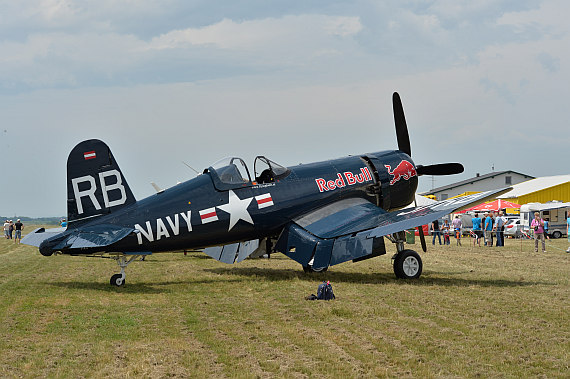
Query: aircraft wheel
[[116, 280], [310, 269], [407, 265]]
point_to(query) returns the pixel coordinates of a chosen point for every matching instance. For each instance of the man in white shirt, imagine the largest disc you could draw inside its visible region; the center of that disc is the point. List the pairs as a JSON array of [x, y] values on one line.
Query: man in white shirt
[[7, 229]]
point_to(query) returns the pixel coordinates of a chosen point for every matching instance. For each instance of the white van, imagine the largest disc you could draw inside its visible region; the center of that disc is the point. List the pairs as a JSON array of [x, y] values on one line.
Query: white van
[[555, 212]]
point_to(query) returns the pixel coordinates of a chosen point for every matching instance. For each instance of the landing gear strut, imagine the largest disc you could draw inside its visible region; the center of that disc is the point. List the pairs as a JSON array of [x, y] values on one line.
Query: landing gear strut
[[407, 263], [123, 261]]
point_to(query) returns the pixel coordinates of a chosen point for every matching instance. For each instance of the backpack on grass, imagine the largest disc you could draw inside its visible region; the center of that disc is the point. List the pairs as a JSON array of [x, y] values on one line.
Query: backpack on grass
[[325, 291]]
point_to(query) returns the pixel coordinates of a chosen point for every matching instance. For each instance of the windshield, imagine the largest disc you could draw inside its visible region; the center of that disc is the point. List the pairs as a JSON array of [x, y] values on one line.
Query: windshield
[[267, 171], [231, 171]]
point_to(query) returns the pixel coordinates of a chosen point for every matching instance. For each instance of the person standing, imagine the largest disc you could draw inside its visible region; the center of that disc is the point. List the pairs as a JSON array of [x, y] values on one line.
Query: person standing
[[488, 230], [568, 230], [545, 228], [19, 227], [498, 228], [7, 229], [537, 225], [456, 223], [446, 232], [477, 229], [435, 231], [11, 228]]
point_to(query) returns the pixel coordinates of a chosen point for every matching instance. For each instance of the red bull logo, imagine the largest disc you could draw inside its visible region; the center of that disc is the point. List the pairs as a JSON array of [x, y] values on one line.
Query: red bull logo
[[404, 169]]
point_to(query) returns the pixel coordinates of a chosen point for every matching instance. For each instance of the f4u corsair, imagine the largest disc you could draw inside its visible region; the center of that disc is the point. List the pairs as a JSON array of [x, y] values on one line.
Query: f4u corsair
[[319, 214]]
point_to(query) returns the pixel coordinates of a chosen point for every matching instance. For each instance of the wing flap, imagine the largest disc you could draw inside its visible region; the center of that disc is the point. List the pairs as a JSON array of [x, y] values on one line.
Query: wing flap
[[232, 253]]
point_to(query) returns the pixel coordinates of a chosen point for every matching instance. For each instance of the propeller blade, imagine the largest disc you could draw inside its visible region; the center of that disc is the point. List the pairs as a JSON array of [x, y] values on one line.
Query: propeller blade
[[421, 231], [440, 169], [401, 127], [422, 238]]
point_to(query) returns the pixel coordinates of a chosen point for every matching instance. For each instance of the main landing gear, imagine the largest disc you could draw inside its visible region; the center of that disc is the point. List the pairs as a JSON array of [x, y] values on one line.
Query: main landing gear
[[407, 263], [123, 260]]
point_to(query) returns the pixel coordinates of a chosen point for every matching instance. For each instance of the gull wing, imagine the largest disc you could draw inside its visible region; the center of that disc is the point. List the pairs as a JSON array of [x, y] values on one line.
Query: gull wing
[[351, 229]]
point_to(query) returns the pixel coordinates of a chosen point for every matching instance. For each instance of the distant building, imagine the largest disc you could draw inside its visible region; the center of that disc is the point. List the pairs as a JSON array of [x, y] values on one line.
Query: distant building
[[540, 190], [479, 183]]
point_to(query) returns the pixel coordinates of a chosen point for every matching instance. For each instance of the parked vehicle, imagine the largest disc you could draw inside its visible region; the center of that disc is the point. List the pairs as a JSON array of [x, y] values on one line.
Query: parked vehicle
[[514, 228], [555, 212]]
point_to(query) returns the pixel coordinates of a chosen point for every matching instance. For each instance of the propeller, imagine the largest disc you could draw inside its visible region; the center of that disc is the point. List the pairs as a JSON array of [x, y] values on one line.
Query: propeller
[[404, 146], [401, 127], [440, 169], [404, 143], [421, 232], [422, 238]]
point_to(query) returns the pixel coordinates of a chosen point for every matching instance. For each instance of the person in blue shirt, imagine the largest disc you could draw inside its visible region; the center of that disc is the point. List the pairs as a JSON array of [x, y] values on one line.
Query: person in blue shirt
[[546, 228], [488, 230], [498, 228], [477, 230]]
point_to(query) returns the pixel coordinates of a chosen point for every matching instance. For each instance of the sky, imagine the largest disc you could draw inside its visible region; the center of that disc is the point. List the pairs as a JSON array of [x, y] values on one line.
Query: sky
[[484, 83]]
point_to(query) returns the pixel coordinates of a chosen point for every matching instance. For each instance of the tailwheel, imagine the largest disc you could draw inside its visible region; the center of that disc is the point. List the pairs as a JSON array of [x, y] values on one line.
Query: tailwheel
[[117, 280], [407, 265], [309, 269]]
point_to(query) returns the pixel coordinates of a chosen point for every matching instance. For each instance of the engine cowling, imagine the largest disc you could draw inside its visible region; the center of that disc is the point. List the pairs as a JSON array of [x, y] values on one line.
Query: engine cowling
[[396, 178]]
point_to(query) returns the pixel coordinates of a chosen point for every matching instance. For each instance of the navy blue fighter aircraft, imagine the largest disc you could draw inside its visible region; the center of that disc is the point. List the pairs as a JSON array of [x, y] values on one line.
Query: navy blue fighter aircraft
[[319, 214]]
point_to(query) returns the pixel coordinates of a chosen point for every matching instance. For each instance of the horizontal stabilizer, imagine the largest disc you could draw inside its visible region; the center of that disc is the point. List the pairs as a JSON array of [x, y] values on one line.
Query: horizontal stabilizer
[[53, 240], [98, 236], [37, 236]]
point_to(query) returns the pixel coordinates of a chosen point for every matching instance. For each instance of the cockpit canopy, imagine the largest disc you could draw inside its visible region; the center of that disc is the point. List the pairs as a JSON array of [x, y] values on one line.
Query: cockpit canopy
[[232, 172]]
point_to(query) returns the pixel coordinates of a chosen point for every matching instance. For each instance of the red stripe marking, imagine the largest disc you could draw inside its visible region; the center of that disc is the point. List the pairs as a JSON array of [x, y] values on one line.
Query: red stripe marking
[[89, 155], [208, 215], [266, 200]]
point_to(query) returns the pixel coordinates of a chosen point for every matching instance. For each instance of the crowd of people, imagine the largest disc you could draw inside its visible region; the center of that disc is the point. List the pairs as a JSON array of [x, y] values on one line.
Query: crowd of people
[[490, 228], [13, 230]]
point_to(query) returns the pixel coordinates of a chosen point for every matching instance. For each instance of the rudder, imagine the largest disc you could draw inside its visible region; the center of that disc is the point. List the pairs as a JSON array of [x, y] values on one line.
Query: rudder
[[95, 184]]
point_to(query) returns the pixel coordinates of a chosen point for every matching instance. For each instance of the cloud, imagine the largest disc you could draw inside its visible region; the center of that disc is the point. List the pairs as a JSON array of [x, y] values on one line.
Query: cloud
[[163, 82], [258, 35], [67, 60]]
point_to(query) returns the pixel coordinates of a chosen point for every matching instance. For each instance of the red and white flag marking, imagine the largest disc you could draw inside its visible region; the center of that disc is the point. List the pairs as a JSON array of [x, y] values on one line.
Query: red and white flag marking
[[208, 215], [264, 201], [89, 155]]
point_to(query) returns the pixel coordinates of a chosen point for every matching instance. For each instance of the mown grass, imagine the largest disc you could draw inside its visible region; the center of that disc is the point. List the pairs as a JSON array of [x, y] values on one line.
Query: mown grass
[[475, 312]]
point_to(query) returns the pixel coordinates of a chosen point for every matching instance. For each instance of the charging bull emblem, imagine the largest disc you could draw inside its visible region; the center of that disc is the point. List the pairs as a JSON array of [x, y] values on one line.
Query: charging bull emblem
[[404, 169]]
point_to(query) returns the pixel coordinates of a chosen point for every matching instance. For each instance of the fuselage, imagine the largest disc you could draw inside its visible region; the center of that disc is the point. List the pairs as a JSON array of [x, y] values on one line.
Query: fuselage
[[213, 210]]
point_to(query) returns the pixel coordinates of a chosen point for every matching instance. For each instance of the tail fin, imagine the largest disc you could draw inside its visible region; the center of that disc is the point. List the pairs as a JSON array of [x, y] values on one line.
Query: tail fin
[[95, 184]]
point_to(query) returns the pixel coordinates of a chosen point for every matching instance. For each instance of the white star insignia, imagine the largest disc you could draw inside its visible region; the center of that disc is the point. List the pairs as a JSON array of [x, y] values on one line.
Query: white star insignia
[[237, 209]]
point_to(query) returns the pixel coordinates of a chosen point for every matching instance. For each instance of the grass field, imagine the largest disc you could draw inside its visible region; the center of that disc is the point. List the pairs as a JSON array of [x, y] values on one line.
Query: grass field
[[475, 312]]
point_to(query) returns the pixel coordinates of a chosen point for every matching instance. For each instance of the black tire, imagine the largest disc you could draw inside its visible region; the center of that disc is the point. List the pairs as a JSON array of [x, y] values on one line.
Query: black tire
[[408, 265], [309, 269], [116, 280], [556, 234]]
